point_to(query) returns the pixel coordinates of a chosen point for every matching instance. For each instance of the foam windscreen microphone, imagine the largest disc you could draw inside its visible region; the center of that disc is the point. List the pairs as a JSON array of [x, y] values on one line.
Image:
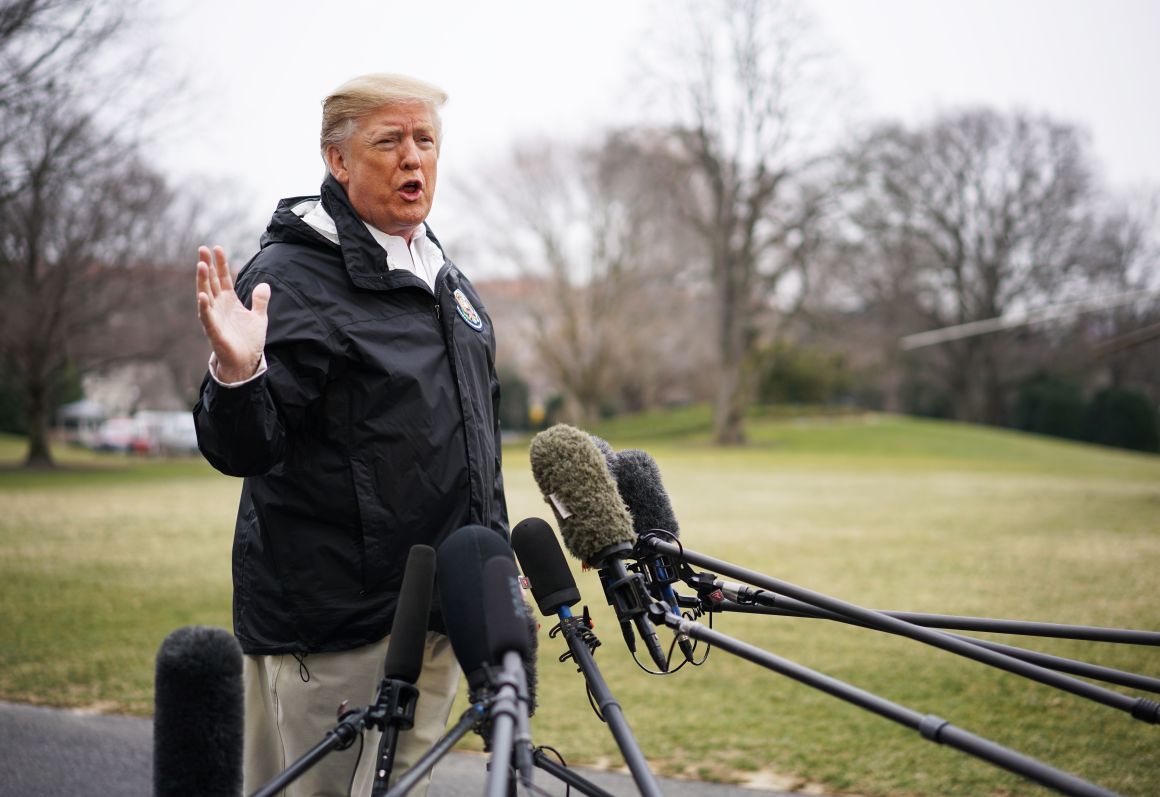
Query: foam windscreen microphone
[[404, 659], [575, 481], [544, 565], [197, 715], [638, 480]]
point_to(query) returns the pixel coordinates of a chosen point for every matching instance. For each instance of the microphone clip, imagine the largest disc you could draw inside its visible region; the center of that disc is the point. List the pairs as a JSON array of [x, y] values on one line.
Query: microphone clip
[[394, 705], [579, 627]]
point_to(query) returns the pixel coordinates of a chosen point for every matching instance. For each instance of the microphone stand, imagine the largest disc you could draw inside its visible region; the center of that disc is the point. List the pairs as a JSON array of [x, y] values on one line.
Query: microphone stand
[[932, 728], [471, 717], [342, 736], [505, 715], [706, 584], [392, 711], [1057, 663], [1139, 708], [474, 717], [581, 642]]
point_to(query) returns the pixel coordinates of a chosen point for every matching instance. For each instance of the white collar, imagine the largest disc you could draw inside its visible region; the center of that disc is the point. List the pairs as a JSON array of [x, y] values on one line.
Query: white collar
[[421, 257]]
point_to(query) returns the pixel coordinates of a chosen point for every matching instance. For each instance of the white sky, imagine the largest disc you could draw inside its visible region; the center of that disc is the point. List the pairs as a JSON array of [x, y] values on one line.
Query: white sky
[[519, 68]]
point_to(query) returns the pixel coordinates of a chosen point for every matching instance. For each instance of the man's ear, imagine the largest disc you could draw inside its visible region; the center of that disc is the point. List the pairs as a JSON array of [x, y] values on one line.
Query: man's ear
[[336, 162]]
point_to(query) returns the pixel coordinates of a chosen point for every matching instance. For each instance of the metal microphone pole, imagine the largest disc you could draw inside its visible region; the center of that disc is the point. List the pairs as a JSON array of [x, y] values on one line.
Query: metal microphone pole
[[1058, 663], [705, 582], [932, 728], [575, 632], [504, 713], [342, 736], [1140, 708], [409, 779]]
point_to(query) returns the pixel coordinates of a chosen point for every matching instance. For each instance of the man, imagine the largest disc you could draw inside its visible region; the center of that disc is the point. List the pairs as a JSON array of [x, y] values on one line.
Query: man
[[358, 397]]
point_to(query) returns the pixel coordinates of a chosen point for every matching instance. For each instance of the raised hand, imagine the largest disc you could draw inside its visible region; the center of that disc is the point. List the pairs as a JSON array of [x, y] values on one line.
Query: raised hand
[[236, 334]]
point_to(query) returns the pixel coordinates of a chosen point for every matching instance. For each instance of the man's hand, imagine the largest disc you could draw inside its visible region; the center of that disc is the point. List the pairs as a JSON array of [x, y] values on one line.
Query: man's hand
[[236, 334]]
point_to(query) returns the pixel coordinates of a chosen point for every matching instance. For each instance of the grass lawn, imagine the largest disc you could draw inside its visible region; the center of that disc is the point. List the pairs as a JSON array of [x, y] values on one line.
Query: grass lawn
[[102, 560]]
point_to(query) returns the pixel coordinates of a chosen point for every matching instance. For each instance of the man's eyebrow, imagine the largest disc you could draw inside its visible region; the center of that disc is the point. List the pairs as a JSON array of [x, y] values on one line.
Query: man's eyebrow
[[381, 129]]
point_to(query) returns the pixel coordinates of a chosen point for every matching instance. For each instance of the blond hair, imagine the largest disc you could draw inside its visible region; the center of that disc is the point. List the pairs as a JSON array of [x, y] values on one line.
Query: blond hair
[[356, 98]]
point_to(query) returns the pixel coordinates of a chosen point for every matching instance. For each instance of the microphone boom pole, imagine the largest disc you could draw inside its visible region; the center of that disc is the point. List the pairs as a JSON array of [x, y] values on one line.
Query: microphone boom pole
[[932, 728], [1140, 708], [573, 630], [1058, 663]]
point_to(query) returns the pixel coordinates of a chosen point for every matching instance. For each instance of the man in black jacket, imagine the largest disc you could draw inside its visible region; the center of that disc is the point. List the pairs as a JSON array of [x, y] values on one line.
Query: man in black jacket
[[357, 395]]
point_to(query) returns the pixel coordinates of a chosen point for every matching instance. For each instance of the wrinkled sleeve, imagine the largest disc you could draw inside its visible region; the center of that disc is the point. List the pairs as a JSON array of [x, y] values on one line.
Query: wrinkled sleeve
[[245, 430]]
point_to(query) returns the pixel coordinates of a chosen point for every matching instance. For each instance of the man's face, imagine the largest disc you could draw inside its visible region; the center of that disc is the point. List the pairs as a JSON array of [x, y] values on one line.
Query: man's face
[[388, 167]]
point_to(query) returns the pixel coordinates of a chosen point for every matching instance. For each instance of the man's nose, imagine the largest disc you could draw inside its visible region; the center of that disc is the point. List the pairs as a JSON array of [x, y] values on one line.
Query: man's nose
[[410, 157]]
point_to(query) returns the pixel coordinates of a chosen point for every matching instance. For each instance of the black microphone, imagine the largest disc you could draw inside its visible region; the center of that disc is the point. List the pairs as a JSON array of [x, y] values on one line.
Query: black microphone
[[575, 481], [555, 591], [510, 646], [638, 479], [396, 701], [460, 560], [550, 578], [197, 715]]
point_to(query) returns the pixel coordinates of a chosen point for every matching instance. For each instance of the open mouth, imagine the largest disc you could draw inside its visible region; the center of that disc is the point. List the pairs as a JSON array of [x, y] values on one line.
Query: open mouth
[[411, 189]]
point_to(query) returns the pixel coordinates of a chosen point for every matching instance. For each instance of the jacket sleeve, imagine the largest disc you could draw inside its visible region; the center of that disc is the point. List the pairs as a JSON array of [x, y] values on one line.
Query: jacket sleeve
[[246, 430]]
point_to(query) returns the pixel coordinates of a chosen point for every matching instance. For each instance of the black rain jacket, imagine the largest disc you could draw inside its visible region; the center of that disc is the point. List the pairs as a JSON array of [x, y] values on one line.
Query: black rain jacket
[[375, 427]]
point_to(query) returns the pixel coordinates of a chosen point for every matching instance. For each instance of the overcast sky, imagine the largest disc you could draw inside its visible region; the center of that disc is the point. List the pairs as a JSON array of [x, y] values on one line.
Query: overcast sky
[[520, 68]]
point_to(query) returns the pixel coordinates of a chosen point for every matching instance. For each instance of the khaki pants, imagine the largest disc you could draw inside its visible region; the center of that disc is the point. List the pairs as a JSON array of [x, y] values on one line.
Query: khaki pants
[[290, 707]]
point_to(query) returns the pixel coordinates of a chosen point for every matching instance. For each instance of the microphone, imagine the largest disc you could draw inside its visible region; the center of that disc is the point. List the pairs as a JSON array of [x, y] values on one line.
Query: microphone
[[459, 568], [574, 479], [397, 697], [197, 715], [404, 658], [638, 479], [553, 587], [510, 646], [555, 591]]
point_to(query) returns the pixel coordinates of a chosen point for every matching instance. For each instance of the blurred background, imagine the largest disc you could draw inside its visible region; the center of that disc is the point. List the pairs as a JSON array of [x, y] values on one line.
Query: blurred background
[[940, 209], [876, 282]]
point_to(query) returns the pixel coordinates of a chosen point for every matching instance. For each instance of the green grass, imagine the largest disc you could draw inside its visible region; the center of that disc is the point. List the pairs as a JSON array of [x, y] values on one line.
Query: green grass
[[102, 561]]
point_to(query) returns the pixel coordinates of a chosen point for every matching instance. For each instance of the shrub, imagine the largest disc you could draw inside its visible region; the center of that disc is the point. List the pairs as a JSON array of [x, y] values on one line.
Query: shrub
[[1051, 405], [1123, 418]]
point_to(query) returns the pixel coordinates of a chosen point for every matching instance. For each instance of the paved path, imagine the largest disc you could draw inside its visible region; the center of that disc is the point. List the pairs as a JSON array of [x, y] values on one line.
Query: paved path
[[50, 753]]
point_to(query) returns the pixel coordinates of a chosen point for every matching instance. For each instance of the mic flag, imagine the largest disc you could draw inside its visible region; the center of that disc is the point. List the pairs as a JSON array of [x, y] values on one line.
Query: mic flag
[[197, 715]]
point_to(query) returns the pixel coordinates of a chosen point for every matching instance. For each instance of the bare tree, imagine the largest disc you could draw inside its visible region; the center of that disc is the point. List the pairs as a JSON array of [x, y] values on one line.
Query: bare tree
[[584, 233], [83, 220], [1124, 258], [969, 217], [70, 242], [750, 85]]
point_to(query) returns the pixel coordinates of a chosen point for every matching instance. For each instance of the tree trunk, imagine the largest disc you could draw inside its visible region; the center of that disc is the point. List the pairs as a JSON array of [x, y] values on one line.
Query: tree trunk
[[39, 452], [729, 411]]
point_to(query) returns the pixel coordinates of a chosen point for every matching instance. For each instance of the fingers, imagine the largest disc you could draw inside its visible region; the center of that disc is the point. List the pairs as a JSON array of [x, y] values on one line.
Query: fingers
[[217, 277], [205, 314], [223, 269], [203, 261]]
